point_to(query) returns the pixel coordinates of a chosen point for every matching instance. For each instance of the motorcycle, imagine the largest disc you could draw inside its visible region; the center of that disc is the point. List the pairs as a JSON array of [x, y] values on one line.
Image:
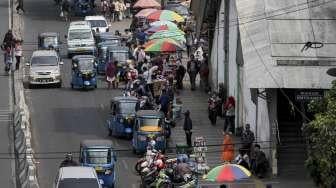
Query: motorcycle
[[68, 161], [160, 180]]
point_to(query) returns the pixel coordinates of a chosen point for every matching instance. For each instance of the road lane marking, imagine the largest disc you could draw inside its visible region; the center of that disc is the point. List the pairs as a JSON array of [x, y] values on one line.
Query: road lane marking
[[125, 164]]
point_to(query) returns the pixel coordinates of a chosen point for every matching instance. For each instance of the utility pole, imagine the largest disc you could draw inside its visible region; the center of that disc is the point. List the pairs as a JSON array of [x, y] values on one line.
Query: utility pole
[[226, 44]]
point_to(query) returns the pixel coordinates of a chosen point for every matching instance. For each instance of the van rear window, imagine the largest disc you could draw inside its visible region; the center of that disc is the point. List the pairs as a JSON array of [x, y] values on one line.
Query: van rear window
[[80, 34]]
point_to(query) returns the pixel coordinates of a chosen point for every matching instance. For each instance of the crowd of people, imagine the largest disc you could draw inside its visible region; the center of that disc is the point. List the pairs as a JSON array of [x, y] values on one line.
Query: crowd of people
[[12, 47]]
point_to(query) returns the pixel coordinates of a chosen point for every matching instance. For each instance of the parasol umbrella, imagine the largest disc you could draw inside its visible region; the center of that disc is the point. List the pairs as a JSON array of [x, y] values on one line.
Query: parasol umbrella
[[147, 4], [155, 29], [176, 35], [228, 173], [167, 23], [145, 12], [167, 15], [162, 45]]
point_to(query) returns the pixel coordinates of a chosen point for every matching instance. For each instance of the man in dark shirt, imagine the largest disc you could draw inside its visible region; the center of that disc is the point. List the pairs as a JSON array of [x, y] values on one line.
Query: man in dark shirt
[[187, 127]]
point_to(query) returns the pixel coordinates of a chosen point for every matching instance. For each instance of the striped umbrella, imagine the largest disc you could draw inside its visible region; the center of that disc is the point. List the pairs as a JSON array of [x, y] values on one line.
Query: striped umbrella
[[162, 45], [155, 29], [147, 4], [228, 173], [166, 15], [176, 35], [167, 23], [145, 12]]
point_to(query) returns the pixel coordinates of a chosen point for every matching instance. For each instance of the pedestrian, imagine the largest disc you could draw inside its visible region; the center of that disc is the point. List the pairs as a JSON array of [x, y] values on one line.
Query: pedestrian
[[189, 41], [247, 139], [111, 74], [122, 10], [242, 159], [18, 53], [187, 127], [104, 7], [192, 68], [112, 10], [140, 55], [180, 72], [116, 10], [8, 40], [229, 108], [148, 75], [128, 9], [204, 73], [259, 162], [65, 8], [141, 37], [20, 7], [164, 102], [227, 148]]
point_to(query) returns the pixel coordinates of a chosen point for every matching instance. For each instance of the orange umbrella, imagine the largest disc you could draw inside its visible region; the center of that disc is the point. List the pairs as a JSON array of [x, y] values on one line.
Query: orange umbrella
[[145, 12], [147, 4]]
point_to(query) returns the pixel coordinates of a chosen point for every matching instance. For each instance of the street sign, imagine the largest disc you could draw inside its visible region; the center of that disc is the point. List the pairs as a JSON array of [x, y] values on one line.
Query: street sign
[[308, 95]]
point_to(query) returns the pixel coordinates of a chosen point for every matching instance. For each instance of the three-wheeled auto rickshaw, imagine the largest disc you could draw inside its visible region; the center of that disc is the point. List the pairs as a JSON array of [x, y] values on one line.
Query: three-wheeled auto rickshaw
[[84, 70], [149, 124], [120, 54], [108, 37], [100, 155], [123, 110], [102, 55], [49, 40]]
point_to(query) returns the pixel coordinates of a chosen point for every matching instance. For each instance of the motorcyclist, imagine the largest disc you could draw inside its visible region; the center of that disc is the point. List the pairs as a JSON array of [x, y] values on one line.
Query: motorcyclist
[[183, 169], [68, 161]]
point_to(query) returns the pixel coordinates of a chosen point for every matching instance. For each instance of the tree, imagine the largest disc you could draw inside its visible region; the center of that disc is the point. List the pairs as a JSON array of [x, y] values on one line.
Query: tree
[[321, 140]]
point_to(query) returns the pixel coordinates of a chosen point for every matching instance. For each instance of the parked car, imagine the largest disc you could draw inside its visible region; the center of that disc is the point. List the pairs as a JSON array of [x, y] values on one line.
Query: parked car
[[45, 68], [77, 177]]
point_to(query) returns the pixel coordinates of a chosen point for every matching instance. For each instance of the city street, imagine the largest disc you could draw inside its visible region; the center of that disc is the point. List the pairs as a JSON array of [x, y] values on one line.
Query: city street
[[61, 118]]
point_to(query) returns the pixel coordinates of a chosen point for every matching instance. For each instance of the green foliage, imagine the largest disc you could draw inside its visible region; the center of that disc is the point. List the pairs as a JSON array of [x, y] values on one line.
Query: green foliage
[[321, 137]]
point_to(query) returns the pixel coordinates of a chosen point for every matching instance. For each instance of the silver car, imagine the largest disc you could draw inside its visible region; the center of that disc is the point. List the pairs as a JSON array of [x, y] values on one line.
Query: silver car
[[45, 68]]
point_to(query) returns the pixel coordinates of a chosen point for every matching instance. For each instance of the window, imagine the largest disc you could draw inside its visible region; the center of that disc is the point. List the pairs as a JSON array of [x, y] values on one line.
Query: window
[[98, 23], [119, 56], [78, 183], [44, 61], [80, 34], [49, 41], [149, 122], [127, 107], [86, 64], [98, 156]]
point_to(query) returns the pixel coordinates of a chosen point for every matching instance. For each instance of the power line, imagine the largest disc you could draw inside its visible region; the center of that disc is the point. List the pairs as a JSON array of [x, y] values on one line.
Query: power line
[[273, 78]]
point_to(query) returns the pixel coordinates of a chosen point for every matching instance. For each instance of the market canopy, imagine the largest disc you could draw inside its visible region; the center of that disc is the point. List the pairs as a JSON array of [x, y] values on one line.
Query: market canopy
[[147, 4], [145, 12], [166, 15], [162, 45], [176, 35], [155, 29], [167, 23], [228, 173]]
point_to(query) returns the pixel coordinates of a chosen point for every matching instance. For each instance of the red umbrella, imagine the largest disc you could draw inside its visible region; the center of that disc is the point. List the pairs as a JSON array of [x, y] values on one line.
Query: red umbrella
[[147, 4]]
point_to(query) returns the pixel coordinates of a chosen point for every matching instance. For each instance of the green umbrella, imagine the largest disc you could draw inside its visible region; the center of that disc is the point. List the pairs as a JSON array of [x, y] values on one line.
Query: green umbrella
[[162, 45], [173, 34]]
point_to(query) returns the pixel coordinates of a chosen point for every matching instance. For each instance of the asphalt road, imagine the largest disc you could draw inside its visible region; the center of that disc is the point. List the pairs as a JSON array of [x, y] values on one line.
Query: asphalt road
[[61, 118], [7, 177]]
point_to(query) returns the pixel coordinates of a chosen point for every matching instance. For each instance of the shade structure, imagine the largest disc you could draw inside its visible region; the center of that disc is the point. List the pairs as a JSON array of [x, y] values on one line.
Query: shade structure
[[166, 15], [167, 23], [147, 4], [145, 12], [155, 29], [228, 173], [162, 45], [176, 35]]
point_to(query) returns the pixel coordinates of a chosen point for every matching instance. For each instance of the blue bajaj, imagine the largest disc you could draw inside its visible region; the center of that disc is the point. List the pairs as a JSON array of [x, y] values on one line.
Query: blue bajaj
[[123, 111], [100, 155], [102, 55], [82, 7], [84, 72], [149, 125]]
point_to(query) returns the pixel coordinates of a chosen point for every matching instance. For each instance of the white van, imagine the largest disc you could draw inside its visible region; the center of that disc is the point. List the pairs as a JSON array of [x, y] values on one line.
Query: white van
[[98, 22], [80, 39], [77, 177]]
